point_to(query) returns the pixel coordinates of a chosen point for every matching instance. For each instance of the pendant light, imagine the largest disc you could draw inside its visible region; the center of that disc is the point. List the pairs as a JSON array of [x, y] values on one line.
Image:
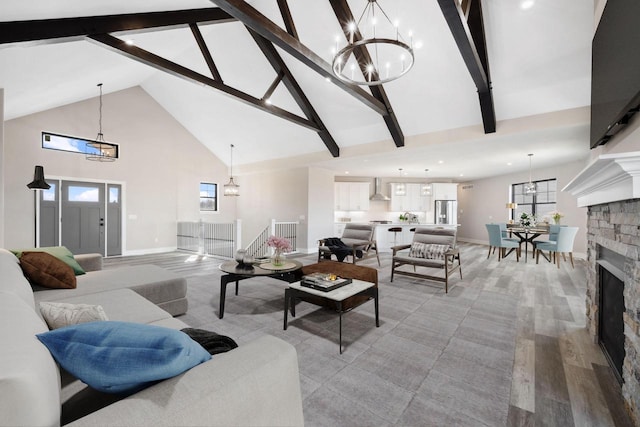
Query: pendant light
[[530, 187], [38, 182], [401, 188], [103, 151], [231, 188], [390, 54], [426, 187]]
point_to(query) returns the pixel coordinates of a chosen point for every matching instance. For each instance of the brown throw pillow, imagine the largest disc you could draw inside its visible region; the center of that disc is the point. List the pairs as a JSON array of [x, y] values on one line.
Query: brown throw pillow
[[46, 270]]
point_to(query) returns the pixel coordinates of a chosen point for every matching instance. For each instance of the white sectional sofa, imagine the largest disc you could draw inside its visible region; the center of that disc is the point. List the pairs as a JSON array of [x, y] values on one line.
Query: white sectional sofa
[[254, 384]]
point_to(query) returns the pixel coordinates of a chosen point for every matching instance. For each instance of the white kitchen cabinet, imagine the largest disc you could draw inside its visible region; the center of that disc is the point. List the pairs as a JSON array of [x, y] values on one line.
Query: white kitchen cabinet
[[352, 196], [445, 191], [412, 201]]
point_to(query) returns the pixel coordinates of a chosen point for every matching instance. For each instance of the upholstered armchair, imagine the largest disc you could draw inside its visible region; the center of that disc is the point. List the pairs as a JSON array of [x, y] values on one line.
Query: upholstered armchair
[[563, 244], [497, 241], [356, 237], [432, 249]]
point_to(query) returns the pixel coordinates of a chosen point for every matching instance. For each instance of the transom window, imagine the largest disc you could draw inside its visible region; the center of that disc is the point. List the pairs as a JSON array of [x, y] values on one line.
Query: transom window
[[73, 144], [541, 203], [208, 196]]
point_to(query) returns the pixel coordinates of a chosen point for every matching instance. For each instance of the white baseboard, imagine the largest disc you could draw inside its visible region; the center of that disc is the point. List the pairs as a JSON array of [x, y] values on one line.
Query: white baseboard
[[149, 251]]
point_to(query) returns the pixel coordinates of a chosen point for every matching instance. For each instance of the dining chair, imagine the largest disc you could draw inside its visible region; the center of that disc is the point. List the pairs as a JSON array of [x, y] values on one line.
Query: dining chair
[[563, 244], [497, 241], [553, 236]]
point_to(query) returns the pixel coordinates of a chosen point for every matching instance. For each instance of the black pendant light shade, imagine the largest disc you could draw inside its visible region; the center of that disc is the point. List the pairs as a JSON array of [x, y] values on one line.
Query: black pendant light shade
[[38, 182]]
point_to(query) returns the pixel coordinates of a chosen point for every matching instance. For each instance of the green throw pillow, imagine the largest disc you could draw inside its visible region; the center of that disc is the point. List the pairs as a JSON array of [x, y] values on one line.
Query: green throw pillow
[[60, 252]]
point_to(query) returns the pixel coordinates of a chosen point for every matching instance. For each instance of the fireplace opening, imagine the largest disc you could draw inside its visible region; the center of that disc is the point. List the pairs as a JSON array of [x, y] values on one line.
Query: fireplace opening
[[611, 308]]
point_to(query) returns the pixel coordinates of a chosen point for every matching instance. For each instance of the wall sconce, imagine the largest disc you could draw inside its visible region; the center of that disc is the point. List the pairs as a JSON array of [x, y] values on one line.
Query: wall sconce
[[38, 182]]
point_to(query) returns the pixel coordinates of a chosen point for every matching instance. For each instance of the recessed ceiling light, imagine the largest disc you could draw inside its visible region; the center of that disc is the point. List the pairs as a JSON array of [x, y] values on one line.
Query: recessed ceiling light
[[461, 174], [527, 4], [509, 164], [440, 162], [346, 172]]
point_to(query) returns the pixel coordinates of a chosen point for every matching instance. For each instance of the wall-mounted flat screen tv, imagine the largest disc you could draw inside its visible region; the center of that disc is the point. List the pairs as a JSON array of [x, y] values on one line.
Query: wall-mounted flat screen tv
[[615, 74]]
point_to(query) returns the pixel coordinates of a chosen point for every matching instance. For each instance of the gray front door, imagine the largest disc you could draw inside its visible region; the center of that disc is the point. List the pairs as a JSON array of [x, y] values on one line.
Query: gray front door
[[83, 217]]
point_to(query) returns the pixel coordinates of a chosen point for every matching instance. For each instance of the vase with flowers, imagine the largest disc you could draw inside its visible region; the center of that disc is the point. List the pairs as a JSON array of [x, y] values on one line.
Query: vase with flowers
[[556, 216], [527, 220], [280, 246]]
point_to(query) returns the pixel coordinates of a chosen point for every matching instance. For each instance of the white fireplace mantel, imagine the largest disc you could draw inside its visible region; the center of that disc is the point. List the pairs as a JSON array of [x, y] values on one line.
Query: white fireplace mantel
[[609, 178]]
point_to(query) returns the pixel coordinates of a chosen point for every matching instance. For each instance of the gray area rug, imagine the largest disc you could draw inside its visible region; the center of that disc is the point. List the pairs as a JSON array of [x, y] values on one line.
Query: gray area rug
[[436, 359]]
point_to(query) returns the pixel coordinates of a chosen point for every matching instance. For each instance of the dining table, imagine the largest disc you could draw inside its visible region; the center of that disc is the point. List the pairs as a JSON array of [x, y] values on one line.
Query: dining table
[[527, 235]]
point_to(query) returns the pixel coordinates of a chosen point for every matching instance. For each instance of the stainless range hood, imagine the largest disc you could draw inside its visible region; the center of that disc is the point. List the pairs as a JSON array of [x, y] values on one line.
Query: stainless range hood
[[377, 195]]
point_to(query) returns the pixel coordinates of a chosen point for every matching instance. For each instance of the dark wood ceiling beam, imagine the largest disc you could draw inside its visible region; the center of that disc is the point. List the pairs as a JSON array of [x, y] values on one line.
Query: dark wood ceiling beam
[[287, 18], [206, 53], [344, 15], [170, 67], [273, 86], [470, 38], [48, 29], [253, 19], [295, 90]]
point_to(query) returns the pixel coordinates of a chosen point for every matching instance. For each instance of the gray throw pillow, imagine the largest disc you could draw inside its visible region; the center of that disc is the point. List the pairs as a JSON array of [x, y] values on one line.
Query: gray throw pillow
[[427, 250], [60, 314]]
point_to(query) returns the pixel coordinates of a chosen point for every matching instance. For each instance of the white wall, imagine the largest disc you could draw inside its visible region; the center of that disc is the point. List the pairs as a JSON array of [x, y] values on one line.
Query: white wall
[[160, 164], [2, 224], [484, 201], [281, 195], [320, 207]]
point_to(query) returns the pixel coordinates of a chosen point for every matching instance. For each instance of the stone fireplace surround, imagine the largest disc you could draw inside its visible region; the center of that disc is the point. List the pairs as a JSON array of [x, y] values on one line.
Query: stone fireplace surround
[[610, 188]]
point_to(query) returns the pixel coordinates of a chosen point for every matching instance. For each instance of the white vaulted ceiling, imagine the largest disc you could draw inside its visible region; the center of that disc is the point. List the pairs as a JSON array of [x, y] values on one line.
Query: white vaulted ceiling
[[539, 58]]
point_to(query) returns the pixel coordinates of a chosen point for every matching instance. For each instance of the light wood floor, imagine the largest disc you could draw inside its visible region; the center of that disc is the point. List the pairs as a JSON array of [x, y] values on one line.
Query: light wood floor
[[511, 332]]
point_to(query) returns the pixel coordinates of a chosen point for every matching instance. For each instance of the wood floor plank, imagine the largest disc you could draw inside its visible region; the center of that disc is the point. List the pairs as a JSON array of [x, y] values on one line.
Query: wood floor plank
[[520, 418], [588, 406], [550, 375], [523, 385], [610, 390]]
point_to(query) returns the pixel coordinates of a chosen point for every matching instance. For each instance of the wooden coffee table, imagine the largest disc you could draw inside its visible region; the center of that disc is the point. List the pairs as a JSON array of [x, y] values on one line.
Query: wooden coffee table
[[356, 287]]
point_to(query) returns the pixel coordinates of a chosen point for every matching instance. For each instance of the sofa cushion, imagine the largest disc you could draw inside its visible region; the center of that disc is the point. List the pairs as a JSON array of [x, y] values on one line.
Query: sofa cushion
[[13, 280], [60, 314], [152, 282], [29, 377], [123, 305], [122, 357], [428, 251], [60, 252], [47, 271]]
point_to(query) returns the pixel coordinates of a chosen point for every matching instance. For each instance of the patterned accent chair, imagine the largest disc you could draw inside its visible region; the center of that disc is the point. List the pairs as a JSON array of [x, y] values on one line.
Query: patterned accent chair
[[431, 249]]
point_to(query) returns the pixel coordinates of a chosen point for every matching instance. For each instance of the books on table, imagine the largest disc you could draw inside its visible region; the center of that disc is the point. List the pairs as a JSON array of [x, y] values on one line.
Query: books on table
[[323, 281]]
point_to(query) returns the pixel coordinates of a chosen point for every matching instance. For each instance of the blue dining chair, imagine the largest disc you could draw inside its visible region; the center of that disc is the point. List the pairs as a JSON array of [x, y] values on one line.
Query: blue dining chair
[[497, 241], [563, 244], [504, 233], [553, 236]]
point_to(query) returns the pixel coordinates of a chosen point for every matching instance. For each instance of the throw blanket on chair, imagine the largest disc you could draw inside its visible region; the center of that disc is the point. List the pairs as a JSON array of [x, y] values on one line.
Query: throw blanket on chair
[[340, 249], [211, 341]]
